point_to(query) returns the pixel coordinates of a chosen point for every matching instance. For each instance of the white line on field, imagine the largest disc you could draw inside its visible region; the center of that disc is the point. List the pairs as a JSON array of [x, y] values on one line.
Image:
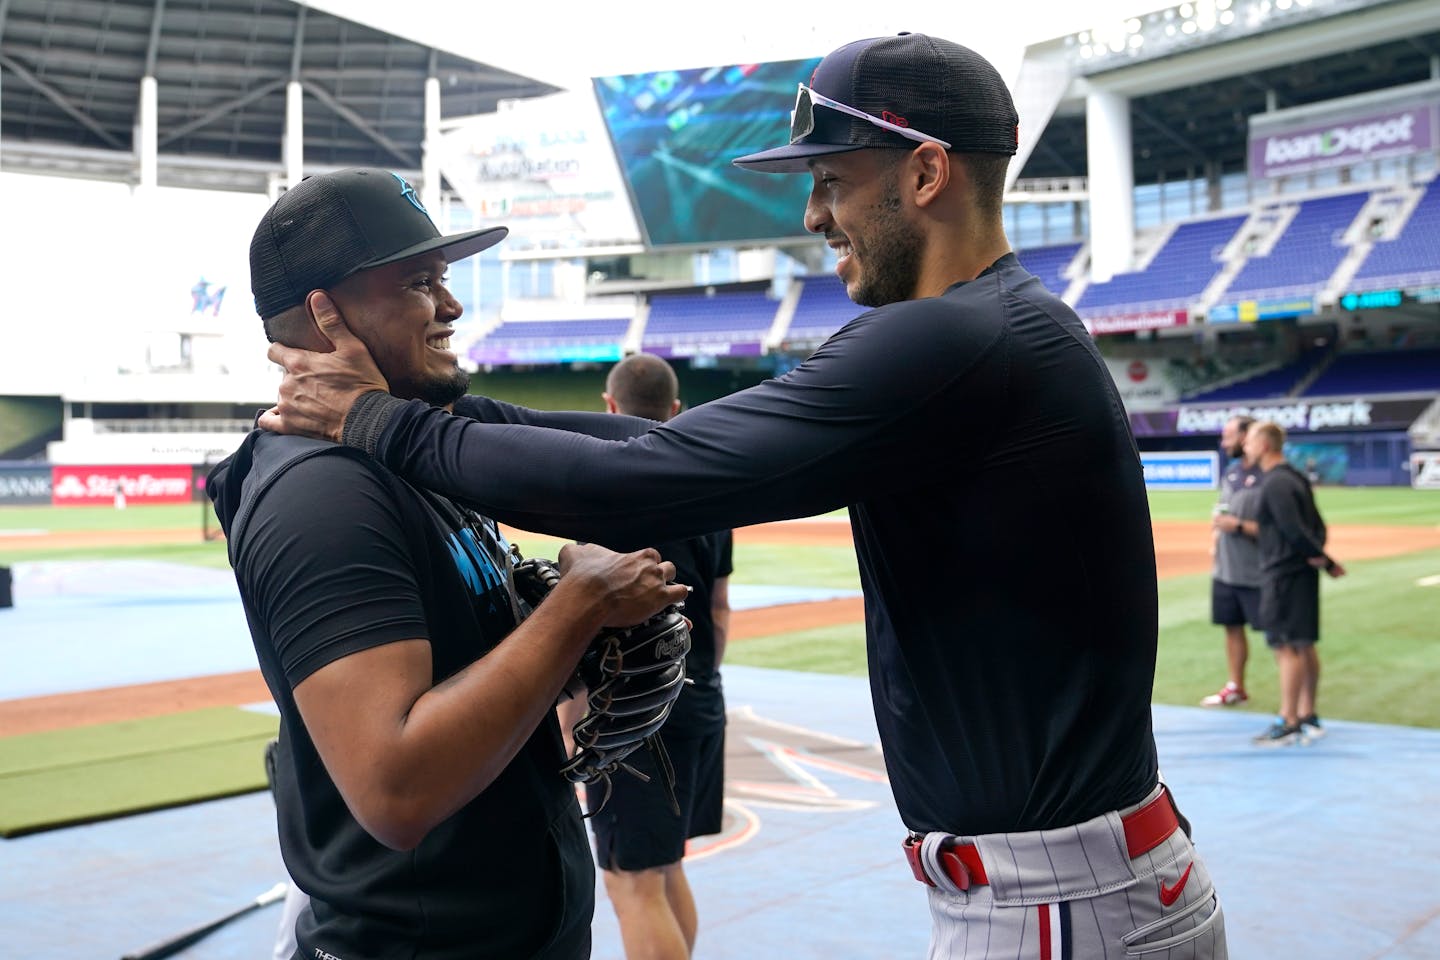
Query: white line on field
[[1432, 581]]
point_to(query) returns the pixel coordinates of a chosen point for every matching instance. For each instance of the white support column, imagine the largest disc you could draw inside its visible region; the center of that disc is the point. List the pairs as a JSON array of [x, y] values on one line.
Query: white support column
[[430, 151], [294, 148], [4, 11], [1112, 184], [147, 133]]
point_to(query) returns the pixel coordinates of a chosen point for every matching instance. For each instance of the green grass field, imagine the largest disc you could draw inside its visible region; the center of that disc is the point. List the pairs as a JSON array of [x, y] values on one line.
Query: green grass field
[[1380, 644], [1368, 505]]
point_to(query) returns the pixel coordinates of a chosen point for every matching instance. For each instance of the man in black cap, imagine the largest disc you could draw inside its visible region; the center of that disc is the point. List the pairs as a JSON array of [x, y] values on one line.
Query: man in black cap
[[995, 492], [417, 785]]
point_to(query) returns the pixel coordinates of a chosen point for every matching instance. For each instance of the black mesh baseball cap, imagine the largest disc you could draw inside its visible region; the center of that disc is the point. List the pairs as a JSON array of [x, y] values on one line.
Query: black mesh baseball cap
[[331, 225], [912, 81]]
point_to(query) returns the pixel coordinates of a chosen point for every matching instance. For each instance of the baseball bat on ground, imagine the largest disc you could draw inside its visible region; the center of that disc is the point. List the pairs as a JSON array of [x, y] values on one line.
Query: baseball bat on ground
[[173, 945]]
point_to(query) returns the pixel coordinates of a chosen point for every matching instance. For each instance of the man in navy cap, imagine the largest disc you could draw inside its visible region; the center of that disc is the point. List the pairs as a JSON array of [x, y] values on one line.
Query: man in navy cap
[[995, 493]]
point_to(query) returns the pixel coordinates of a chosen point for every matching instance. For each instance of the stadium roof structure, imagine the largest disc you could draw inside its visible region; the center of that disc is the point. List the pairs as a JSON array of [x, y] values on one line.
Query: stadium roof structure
[[71, 74], [1192, 93]]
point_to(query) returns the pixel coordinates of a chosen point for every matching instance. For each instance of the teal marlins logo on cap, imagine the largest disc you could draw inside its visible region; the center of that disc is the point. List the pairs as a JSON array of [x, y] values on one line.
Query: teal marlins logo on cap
[[408, 192]]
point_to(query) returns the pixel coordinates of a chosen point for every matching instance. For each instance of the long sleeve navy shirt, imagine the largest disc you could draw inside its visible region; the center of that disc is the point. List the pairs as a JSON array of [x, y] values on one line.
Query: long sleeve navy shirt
[[1000, 522]]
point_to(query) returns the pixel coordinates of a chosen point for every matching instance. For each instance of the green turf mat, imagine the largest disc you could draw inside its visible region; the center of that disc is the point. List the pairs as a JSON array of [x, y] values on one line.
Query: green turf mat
[[64, 777]]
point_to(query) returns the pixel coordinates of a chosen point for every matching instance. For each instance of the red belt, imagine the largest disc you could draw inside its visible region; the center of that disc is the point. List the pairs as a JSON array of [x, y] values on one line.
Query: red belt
[[1145, 829]]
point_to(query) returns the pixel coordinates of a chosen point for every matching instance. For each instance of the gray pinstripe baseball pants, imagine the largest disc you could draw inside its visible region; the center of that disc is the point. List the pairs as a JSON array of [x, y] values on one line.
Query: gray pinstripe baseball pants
[[1075, 894]]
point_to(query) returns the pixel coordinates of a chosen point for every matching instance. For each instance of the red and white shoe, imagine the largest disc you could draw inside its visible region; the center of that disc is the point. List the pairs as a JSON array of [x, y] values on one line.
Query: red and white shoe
[[1227, 696]]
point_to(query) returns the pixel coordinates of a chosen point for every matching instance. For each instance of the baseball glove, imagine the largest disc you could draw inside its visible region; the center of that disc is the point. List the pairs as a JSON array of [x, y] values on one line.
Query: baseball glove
[[632, 677]]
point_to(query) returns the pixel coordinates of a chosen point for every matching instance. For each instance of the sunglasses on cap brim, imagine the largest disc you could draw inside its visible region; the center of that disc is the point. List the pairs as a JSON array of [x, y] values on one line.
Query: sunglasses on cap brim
[[802, 118]]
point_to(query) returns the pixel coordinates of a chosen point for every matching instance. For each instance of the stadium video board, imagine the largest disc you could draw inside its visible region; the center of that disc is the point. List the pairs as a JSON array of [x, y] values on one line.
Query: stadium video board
[[675, 133]]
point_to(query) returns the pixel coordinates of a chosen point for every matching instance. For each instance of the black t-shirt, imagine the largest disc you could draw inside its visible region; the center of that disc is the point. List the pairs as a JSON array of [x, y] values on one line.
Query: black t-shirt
[[338, 556], [1000, 522], [1291, 529], [699, 561]]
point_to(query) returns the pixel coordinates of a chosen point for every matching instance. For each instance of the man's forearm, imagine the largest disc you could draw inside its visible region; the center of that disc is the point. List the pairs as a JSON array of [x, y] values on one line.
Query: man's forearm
[[606, 426], [667, 484]]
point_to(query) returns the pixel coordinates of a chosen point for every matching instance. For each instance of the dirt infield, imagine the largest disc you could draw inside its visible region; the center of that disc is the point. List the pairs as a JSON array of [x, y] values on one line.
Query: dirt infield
[[1180, 548], [113, 704]]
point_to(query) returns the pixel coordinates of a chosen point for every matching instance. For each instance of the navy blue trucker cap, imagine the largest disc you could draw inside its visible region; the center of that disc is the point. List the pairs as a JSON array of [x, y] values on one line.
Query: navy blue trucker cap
[[928, 85], [331, 225]]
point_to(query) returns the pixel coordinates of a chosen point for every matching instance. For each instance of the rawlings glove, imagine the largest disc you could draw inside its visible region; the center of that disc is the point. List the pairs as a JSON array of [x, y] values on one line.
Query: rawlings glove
[[632, 676]]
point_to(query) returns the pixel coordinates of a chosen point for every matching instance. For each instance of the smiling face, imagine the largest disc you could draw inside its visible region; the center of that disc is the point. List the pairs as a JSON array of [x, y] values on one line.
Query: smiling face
[[855, 201], [405, 316]]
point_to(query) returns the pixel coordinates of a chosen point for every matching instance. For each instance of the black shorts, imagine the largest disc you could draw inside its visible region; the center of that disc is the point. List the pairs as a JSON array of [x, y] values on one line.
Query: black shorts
[[1234, 606], [1290, 608], [637, 830]]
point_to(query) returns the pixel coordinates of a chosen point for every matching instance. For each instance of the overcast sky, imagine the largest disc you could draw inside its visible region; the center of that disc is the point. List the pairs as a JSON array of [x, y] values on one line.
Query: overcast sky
[[566, 42]]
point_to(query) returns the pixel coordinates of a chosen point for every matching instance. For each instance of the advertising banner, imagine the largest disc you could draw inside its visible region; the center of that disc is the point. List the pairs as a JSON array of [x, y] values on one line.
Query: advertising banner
[[1129, 322], [24, 485], [91, 486], [1385, 299], [1371, 129], [723, 348], [1302, 416], [1250, 311], [507, 354], [1143, 384], [545, 169], [1181, 471]]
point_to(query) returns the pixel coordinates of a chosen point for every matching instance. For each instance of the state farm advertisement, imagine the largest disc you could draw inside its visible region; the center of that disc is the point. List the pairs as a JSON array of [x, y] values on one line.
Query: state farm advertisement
[[89, 486]]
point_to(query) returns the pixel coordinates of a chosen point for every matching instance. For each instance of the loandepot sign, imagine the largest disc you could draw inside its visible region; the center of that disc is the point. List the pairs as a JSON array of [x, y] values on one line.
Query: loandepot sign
[[1292, 416], [1337, 133], [1302, 416]]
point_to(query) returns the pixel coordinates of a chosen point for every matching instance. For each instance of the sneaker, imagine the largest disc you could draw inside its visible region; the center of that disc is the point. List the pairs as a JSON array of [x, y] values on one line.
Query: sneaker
[[1227, 696], [1311, 727], [1280, 734]]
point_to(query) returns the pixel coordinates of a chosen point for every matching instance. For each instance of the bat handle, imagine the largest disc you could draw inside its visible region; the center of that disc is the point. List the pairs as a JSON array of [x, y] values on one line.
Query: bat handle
[[275, 893]]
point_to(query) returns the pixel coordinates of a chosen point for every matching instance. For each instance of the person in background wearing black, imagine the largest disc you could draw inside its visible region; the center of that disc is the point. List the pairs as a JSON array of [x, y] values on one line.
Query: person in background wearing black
[[1292, 554], [639, 839]]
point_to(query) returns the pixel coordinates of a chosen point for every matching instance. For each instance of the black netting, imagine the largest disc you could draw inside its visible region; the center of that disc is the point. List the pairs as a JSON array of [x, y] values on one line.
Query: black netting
[[307, 240]]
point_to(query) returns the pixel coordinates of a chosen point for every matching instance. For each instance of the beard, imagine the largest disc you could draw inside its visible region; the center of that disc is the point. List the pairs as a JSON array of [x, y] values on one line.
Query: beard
[[889, 254], [440, 390]]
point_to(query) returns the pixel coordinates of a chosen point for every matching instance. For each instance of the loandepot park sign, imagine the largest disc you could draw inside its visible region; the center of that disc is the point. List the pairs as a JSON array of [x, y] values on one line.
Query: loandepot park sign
[[1342, 415], [1351, 130], [1302, 416]]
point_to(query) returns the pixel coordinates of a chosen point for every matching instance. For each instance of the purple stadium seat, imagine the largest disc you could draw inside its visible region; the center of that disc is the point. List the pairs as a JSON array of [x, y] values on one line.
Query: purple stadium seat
[[1306, 254], [1047, 263], [1413, 257], [1178, 273]]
